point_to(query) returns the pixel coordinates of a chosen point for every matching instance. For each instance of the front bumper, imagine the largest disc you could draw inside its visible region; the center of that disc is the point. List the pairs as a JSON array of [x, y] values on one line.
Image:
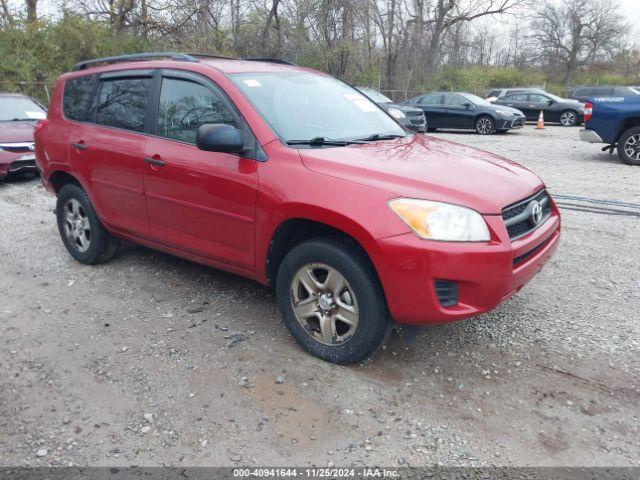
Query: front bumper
[[485, 273], [510, 123], [16, 163], [590, 136]]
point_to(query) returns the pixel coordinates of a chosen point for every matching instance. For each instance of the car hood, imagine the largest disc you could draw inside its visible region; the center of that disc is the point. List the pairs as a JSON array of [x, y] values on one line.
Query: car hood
[[425, 167], [403, 108], [16, 131], [511, 110]]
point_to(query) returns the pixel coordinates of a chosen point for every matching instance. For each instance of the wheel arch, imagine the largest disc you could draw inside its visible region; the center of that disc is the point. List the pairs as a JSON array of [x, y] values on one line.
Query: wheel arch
[[625, 125], [296, 229]]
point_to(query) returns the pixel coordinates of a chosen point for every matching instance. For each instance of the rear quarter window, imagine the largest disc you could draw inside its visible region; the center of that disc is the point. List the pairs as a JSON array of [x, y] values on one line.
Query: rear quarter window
[[77, 94]]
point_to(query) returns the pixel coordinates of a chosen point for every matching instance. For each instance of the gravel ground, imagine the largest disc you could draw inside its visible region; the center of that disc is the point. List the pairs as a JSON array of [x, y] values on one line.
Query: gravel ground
[[152, 360]]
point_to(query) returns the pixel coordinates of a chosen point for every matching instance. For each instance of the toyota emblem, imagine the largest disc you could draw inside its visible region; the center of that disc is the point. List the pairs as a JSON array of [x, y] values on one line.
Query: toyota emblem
[[32, 147], [536, 213]]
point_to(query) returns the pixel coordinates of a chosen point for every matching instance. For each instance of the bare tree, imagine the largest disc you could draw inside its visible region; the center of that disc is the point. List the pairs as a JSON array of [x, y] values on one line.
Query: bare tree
[[575, 33], [32, 11]]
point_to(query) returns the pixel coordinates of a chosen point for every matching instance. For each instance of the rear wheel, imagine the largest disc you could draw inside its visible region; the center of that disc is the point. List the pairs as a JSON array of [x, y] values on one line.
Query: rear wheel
[[83, 235], [485, 125], [629, 146], [331, 300], [568, 118]]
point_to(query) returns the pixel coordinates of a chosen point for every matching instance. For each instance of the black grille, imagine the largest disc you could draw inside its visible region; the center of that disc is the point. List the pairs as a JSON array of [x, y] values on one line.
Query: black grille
[[518, 219], [447, 292], [518, 122], [16, 148]]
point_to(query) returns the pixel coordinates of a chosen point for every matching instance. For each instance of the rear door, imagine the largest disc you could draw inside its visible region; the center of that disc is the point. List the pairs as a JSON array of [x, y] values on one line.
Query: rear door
[[432, 104], [540, 103], [199, 202], [515, 100], [106, 149]]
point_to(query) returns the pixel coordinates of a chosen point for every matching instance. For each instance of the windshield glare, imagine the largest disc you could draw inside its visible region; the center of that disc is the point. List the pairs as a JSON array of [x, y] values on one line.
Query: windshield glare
[[20, 108], [302, 106], [375, 96]]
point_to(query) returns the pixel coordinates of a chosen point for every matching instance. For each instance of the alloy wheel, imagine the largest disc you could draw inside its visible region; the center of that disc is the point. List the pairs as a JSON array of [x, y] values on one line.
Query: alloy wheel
[[324, 304], [568, 119], [632, 147], [484, 126], [77, 227]]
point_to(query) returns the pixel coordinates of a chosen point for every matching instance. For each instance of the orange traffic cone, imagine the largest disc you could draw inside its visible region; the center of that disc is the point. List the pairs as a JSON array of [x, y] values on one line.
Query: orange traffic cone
[[540, 125]]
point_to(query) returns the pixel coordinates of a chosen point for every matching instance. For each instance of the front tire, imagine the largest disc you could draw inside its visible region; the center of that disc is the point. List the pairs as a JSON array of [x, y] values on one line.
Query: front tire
[[485, 125], [83, 235], [629, 146], [331, 300], [569, 118]]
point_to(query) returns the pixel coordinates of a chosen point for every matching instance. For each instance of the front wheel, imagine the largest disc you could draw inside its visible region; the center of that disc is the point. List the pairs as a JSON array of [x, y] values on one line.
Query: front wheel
[[485, 125], [331, 300], [82, 233], [568, 118], [629, 146]]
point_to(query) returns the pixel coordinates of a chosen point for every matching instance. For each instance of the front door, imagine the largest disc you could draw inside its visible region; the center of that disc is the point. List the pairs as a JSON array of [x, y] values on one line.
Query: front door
[[458, 111], [433, 107], [108, 151], [199, 202]]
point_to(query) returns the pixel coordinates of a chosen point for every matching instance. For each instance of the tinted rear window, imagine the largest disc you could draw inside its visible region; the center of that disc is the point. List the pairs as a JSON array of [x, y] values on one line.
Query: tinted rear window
[[77, 94], [122, 103]]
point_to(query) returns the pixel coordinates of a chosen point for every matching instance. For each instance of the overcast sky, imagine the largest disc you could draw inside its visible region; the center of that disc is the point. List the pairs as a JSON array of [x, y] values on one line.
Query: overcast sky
[[632, 10]]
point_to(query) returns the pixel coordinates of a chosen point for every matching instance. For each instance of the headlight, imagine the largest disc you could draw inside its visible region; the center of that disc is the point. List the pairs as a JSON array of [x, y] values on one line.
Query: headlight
[[441, 221], [506, 113], [395, 113]]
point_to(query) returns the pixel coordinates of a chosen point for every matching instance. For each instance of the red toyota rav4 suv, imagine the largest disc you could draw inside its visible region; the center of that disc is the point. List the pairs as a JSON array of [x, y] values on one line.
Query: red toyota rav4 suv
[[292, 178]]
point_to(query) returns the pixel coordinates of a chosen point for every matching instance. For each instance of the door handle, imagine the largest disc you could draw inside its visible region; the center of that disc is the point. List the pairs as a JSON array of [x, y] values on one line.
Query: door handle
[[79, 145], [156, 162]]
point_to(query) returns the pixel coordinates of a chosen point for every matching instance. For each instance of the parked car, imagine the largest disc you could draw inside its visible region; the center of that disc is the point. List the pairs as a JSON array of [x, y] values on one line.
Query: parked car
[[466, 111], [567, 113], [18, 116], [407, 116], [583, 93], [614, 121], [294, 179], [496, 93]]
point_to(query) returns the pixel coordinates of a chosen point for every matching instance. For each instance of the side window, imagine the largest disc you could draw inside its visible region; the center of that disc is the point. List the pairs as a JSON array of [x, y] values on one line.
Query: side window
[[185, 106], [537, 98], [493, 93], [122, 103], [431, 99], [454, 100], [77, 93], [517, 97]]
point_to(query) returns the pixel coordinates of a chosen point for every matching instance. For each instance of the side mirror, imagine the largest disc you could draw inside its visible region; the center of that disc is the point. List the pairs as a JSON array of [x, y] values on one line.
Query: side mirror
[[467, 105], [551, 101], [219, 137]]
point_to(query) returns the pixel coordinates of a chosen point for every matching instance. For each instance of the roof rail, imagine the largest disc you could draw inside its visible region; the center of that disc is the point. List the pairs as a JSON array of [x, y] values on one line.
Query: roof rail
[[209, 55], [270, 60], [132, 57]]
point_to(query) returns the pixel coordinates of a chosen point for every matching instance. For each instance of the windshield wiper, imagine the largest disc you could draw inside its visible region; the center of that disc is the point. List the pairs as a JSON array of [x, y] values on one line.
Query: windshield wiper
[[323, 141], [380, 136]]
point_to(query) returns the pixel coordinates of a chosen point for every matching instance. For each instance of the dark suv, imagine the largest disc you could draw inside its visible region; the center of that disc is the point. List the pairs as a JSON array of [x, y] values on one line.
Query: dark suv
[[294, 179]]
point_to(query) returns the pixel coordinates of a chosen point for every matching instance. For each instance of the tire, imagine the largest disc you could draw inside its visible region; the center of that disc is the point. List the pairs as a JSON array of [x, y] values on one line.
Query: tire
[[83, 235], [485, 125], [629, 146], [568, 118], [360, 299]]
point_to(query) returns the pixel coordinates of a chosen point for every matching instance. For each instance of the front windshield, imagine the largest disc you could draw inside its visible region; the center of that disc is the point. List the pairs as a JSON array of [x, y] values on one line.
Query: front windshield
[[375, 96], [476, 100], [19, 108], [303, 106]]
